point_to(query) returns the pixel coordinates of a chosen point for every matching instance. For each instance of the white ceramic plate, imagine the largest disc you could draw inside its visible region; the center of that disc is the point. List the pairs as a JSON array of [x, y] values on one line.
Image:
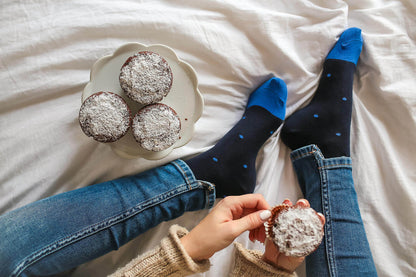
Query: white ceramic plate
[[184, 96]]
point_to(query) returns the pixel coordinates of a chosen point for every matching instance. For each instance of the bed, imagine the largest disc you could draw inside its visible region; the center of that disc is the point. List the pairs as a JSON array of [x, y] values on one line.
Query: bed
[[47, 49]]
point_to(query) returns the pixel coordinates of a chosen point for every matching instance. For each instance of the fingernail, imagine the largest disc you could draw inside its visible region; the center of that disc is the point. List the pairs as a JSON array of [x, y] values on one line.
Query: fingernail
[[264, 215], [321, 214]]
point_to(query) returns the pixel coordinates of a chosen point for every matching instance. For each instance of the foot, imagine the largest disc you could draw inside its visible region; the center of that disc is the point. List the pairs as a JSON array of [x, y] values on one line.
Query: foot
[[230, 164], [326, 120]]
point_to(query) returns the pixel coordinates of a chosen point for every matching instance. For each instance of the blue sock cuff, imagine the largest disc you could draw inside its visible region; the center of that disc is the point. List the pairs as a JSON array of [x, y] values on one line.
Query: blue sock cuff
[[348, 46], [272, 96]]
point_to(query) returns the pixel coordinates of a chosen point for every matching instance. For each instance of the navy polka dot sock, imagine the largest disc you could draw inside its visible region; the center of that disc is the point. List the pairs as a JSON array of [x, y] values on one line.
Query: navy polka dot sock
[[326, 120], [230, 164]]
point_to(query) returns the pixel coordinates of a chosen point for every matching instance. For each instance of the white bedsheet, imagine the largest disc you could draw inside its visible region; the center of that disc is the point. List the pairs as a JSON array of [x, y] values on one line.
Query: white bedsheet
[[48, 47]]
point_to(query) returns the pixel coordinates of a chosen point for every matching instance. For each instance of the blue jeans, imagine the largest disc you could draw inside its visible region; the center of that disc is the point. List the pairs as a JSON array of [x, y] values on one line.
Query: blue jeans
[[63, 231], [328, 185]]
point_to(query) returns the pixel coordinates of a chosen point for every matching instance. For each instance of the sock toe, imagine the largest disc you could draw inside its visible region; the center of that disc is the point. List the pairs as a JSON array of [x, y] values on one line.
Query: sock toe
[[348, 47], [272, 96]]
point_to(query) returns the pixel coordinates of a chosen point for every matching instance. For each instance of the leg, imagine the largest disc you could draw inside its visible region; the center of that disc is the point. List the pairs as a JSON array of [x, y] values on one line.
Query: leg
[[321, 134], [66, 230], [326, 120], [230, 164], [329, 187], [61, 232]]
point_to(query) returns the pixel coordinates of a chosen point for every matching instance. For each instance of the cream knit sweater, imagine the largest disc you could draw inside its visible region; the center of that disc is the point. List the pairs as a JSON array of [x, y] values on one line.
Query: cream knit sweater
[[171, 259]]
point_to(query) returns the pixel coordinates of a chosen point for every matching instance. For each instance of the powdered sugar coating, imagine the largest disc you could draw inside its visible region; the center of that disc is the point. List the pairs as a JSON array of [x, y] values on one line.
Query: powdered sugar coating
[[296, 231], [105, 117], [146, 77], [156, 127]]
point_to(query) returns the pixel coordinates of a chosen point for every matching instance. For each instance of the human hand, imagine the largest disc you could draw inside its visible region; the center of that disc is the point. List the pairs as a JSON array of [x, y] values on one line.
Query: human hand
[[279, 260], [228, 219]]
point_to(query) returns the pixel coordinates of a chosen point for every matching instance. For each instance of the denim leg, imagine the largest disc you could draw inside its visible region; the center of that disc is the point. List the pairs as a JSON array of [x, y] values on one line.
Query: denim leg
[[328, 185], [63, 231]]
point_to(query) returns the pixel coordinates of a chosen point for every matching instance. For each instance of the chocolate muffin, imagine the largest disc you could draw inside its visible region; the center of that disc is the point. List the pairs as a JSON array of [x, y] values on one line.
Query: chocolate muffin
[[156, 127], [296, 231], [105, 117], [146, 77]]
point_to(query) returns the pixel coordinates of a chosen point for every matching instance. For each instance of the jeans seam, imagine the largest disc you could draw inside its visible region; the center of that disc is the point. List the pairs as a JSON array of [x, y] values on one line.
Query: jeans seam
[[209, 193], [102, 225], [333, 165], [326, 210]]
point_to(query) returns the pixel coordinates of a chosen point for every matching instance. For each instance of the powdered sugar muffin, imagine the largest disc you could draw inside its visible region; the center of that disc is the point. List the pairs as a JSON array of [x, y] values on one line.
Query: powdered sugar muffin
[[105, 117], [146, 77], [156, 127], [297, 231]]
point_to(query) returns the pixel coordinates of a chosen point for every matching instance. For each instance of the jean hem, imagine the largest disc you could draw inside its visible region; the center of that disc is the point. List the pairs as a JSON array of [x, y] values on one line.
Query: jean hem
[[323, 163], [190, 179]]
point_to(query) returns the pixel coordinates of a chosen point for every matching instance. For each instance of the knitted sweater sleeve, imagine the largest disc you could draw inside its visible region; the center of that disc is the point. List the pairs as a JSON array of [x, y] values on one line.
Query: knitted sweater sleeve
[[170, 259], [249, 263]]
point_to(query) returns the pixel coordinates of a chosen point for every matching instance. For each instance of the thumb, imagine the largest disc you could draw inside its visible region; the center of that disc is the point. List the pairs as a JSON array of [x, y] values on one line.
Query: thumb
[[252, 221]]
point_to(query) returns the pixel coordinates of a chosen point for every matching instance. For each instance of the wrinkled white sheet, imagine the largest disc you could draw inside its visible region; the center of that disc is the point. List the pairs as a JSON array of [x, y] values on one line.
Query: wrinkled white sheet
[[48, 47]]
